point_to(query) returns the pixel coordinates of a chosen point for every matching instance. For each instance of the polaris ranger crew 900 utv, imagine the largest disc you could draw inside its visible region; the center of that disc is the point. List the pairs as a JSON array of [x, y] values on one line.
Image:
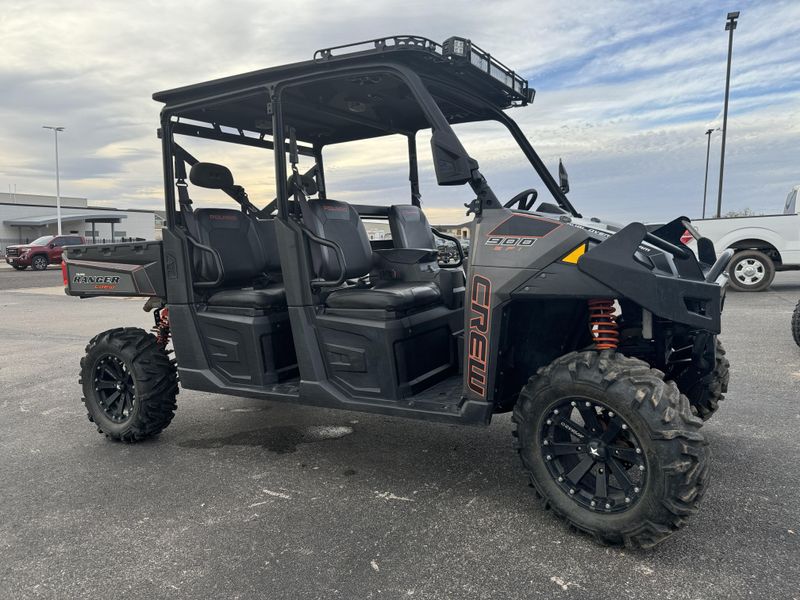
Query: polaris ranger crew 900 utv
[[600, 339]]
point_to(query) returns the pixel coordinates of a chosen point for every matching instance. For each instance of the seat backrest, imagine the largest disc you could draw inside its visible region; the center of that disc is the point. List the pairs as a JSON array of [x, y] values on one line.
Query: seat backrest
[[265, 228], [233, 235], [337, 222], [410, 227]]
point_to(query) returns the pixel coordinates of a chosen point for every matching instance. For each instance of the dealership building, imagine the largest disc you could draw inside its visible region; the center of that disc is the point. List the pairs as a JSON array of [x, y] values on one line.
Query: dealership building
[[25, 217]]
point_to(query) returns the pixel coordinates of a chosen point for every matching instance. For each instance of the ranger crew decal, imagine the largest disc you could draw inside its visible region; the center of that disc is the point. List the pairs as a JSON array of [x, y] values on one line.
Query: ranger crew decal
[[478, 341]]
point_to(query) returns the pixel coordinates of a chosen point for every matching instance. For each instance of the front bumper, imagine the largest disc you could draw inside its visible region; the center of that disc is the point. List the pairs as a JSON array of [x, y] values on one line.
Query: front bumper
[[18, 261], [687, 299]]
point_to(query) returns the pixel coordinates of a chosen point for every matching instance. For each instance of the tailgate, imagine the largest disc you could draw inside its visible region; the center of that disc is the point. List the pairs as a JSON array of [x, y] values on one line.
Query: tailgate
[[127, 269]]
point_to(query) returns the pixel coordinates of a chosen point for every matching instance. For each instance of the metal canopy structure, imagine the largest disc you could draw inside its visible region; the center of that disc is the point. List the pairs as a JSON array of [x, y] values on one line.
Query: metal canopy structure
[[467, 83], [41, 220]]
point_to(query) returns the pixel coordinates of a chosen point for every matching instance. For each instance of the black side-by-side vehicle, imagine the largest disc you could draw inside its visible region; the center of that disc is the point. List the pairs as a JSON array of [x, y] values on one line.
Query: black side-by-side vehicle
[[600, 339]]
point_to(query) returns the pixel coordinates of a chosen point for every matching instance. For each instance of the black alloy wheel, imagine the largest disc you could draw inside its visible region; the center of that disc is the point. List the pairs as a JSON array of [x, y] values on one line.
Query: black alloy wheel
[[114, 388], [593, 455]]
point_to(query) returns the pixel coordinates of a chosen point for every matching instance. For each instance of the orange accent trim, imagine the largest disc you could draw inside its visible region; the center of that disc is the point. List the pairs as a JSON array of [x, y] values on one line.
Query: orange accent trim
[[478, 340]]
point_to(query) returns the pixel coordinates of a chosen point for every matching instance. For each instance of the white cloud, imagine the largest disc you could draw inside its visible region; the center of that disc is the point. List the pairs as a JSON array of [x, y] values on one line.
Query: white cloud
[[626, 92]]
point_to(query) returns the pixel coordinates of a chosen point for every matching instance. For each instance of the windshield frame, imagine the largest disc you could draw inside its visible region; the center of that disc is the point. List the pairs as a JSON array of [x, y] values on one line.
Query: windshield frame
[[38, 241]]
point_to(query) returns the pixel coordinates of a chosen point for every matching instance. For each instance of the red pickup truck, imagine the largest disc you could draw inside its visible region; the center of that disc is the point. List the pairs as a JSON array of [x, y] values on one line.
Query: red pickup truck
[[41, 252]]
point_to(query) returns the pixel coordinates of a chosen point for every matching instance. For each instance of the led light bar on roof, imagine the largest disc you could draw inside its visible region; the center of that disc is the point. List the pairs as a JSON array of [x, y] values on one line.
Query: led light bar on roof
[[463, 49]]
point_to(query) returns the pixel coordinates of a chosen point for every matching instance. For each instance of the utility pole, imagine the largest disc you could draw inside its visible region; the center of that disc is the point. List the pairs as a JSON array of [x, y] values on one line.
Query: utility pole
[[708, 154], [58, 181], [730, 25]]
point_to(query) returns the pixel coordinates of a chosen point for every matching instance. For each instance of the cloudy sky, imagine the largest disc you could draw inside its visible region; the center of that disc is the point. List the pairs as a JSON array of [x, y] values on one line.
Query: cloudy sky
[[625, 92]]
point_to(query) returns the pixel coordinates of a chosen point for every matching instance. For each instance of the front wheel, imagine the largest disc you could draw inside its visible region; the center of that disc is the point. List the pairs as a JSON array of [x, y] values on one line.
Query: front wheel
[[796, 324], [39, 263], [751, 271], [129, 384], [611, 447]]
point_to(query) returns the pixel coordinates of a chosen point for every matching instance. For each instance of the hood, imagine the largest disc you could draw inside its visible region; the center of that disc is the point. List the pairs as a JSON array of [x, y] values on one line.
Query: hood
[[600, 231]]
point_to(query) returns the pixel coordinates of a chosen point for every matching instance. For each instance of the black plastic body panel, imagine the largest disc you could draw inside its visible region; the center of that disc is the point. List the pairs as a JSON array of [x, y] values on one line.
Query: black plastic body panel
[[126, 269], [371, 356], [249, 349], [692, 302]]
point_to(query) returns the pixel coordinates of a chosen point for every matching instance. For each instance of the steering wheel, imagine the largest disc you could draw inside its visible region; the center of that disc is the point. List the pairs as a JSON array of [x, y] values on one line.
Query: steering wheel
[[525, 199]]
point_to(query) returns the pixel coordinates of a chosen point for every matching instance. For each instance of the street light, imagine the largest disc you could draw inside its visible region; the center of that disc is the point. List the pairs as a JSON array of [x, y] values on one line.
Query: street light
[[730, 25], [708, 153], [58, 182]]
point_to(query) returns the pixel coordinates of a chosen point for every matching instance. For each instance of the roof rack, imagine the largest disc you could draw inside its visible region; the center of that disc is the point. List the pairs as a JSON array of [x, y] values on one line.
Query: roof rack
[[378, 44], [455, 49]]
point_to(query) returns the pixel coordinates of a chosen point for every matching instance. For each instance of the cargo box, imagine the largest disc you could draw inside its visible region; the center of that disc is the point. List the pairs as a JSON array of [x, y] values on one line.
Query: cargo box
[[127, 269]]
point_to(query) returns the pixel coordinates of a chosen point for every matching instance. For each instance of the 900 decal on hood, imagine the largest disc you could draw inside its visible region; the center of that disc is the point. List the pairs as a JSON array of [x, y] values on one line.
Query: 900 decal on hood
[[521, 231]]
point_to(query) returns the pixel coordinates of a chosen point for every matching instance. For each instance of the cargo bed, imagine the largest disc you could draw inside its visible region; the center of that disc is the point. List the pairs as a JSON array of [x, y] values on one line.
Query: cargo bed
[[126, 269]]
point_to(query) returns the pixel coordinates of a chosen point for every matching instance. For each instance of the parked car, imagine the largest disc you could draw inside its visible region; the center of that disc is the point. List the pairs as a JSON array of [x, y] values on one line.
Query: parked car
[[41, 252], [763, 244]]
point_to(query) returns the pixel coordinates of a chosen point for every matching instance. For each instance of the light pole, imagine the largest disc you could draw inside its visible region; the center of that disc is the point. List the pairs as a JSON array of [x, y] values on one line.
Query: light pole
[[730, 25], [58, 182], [708, 153]]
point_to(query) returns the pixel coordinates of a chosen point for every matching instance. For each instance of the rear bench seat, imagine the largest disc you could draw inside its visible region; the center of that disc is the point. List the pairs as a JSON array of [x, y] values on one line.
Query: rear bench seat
[[240, 243]]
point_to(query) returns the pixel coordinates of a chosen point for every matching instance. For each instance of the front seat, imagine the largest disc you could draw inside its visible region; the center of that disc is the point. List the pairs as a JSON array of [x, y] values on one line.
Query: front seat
[[410, 227], [245, 263], [339, 222]]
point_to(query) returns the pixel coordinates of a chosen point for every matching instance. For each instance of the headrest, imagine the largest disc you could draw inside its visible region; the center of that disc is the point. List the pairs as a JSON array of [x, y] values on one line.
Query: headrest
[[210, 175], [307, 183]]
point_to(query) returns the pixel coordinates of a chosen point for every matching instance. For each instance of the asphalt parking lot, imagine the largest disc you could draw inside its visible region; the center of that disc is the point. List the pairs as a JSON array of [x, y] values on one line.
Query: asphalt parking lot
[[245, 499]]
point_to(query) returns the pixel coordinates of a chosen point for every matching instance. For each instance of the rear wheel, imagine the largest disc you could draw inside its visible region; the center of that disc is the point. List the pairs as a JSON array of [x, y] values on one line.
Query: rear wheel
[[796, 324], [611, 447], [688, 366], [751, 271], [706, 393], [129, 384], [39, 262]]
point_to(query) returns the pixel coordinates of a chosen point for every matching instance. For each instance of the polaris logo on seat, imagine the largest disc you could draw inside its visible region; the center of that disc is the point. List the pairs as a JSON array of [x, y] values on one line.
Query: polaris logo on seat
[[83, 278], [222, 217]]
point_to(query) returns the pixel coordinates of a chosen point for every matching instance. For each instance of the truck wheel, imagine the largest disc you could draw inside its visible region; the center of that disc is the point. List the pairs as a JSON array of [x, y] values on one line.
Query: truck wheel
[[20, 267], [39, 262], [751, 271], [611, 448], [706, 394], [129, 384], [796, 324]]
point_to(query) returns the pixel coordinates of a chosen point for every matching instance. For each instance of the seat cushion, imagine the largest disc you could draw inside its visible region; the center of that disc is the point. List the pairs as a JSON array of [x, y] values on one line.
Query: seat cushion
[[387, 296], [272, 296]]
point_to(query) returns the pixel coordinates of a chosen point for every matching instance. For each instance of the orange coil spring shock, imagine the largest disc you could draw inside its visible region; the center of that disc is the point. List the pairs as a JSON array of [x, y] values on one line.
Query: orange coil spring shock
[[161, 328], [603, 324]]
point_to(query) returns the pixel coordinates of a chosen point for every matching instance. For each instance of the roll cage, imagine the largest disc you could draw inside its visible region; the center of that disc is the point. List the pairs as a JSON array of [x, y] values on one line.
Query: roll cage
[[416, 84]]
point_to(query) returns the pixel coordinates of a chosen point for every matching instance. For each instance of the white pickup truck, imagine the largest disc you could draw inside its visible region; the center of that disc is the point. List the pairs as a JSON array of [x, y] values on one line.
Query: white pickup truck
[[763, 244]]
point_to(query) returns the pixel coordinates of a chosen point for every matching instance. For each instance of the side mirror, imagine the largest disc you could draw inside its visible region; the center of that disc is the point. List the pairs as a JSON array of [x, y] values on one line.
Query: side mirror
[[451, 162], [211, 176], [563, 178], [51, 245]]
